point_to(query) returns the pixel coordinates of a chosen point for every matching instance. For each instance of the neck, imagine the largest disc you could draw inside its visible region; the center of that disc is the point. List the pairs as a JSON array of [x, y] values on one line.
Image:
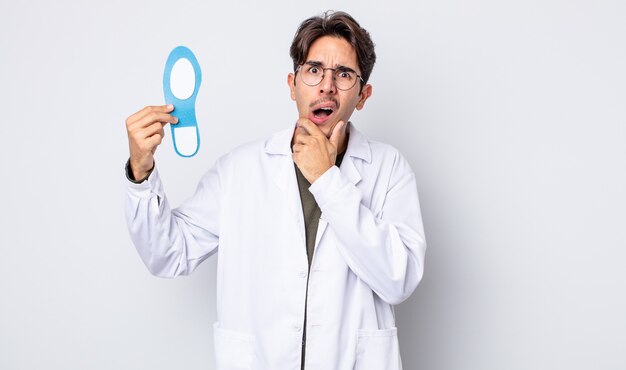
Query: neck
[[344, 144]]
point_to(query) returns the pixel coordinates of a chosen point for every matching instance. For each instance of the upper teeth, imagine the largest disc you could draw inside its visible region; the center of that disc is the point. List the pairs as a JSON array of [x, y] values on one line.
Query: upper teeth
[[326, 108]]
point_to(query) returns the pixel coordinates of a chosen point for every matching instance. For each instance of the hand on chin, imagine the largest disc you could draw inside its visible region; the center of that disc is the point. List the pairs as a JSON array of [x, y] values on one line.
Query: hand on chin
[[327, 127], [325, 124]]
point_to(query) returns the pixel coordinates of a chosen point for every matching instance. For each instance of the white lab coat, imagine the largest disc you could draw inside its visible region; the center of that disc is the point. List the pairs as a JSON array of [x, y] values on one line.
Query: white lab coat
[[369, 253]]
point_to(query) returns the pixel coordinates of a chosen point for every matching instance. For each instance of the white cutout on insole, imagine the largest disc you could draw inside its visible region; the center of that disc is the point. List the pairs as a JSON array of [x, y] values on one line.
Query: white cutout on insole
[[186, 140], [182, 79]]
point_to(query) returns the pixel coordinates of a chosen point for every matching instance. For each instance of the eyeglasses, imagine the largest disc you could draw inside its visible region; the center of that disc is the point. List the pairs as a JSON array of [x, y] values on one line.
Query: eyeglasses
[[313, 73]]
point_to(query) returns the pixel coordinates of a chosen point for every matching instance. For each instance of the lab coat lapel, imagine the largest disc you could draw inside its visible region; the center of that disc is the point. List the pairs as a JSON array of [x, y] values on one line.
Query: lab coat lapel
[[284, 174], [352, 174], [358, 150]]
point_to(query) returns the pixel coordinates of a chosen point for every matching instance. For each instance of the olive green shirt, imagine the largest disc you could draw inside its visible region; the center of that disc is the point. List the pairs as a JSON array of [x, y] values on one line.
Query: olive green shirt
[[310, 209]]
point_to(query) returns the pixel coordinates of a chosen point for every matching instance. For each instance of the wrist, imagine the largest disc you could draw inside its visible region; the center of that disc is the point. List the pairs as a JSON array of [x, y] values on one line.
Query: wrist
[[138, 173]]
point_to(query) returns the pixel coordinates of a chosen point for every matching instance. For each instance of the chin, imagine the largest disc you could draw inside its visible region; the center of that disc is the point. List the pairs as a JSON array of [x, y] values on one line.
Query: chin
[[327, 128]]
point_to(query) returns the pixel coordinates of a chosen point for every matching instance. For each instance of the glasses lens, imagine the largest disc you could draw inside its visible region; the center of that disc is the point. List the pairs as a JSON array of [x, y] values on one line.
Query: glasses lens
[[345, 79], [313, 75]]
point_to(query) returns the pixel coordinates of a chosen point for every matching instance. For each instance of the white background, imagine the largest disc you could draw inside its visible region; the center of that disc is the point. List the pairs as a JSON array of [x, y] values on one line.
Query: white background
[[511, 113]]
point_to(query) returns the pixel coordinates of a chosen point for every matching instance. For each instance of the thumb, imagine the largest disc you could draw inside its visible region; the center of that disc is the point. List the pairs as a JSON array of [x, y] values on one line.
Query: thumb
[[338, 134]]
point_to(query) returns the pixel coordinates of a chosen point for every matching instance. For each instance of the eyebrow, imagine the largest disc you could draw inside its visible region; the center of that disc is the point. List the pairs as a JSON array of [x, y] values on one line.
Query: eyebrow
[[316, 63]]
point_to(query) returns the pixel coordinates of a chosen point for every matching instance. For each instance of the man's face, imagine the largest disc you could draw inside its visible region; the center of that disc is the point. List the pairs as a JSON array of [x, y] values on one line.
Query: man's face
[[325, 104]]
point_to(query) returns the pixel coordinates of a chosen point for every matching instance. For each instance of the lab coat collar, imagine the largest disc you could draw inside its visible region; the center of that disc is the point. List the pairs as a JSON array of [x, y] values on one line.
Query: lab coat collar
[[358, 147], [285, 177]]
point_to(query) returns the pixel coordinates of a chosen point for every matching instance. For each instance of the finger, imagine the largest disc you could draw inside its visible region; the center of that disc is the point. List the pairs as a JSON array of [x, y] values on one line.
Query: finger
[[149, 143], [158, 117], [151, 108], [139, 136], [297, 148], [310, 127], [301, 131], [156, 128], [153, 117], [304, 139], [338, 134], [154, 141], [151, 130], [298, 133]]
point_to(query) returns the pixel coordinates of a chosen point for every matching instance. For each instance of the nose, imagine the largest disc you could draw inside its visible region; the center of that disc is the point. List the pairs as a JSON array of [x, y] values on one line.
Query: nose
[[328, 83]]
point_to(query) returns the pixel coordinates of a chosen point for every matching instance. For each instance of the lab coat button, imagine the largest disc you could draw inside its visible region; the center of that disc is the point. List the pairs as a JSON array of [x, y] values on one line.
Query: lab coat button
[[297, 327], [302, 274]]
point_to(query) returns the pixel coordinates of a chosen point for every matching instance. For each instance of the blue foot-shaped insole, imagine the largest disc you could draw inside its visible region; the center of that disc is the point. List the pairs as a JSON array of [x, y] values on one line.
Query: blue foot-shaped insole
[[181, 82]]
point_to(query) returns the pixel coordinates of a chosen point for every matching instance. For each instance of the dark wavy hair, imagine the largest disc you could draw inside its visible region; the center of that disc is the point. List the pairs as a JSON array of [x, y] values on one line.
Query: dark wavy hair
[[339, 24]]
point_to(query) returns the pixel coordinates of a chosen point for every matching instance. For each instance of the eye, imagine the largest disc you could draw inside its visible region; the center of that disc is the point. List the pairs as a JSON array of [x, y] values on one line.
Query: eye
[[314, 70], [344, 75]]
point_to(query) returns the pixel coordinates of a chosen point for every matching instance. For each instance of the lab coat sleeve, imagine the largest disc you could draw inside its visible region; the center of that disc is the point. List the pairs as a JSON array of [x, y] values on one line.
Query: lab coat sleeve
[[173, 242], [386, 251]]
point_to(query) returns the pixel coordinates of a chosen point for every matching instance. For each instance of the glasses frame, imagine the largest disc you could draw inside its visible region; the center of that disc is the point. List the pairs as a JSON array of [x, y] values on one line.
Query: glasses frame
[[340, 68]]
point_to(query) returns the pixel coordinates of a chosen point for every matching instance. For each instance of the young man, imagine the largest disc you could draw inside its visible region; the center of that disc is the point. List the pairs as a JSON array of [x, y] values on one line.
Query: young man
[[318, 229]]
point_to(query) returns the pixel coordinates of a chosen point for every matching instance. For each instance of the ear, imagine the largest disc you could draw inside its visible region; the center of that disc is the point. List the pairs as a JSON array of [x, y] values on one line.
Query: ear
[[365, 94], [291, 81]]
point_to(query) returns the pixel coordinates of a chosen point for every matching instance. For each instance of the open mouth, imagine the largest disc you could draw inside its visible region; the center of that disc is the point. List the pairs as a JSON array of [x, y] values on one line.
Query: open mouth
[[323, 112]]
